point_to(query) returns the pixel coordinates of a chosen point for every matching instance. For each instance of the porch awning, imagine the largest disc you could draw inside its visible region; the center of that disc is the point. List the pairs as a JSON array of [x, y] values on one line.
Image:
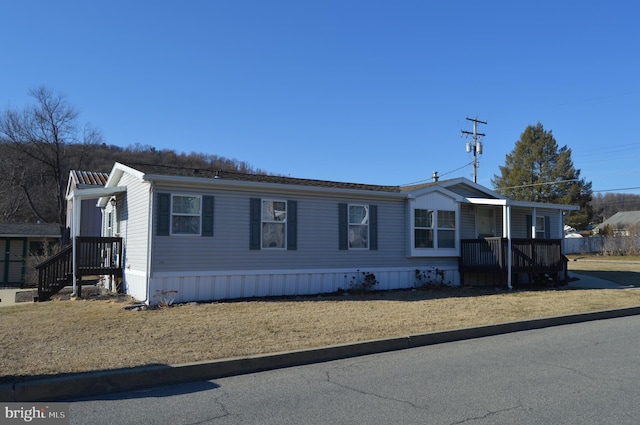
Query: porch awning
[[95, 193]]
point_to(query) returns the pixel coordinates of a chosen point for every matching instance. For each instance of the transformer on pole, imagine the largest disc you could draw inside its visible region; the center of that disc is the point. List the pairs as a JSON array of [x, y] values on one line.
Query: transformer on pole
[[476, 147]]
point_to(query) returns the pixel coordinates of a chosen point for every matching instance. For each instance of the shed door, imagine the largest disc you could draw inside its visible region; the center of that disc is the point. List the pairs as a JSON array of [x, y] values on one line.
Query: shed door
[[12, 261]]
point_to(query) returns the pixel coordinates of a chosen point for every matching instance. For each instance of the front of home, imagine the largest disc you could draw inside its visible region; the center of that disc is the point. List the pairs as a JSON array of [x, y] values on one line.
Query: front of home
[[200, 235]]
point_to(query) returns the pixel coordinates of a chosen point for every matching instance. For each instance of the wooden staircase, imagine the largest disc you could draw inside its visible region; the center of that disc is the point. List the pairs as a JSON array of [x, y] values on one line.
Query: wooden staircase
[[94, 256], [55, 273]]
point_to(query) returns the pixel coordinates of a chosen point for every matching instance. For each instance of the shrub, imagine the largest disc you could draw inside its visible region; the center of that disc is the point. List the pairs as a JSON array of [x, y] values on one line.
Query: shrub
[[430, 278], [363, 282]]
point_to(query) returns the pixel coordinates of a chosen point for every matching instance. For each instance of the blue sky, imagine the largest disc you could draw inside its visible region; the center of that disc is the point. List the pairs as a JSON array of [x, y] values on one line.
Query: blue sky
[[357, 91]]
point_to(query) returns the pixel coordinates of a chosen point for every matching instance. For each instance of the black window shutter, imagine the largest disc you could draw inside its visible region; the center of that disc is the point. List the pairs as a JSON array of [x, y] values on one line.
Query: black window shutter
[[207, 215], [343, 227], [255, 209], [292, 225], [373, 227], [164, 214], [529, 224]]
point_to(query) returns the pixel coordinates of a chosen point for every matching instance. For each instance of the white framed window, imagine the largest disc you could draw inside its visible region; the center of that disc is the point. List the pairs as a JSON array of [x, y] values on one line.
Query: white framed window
[[434, 229], [423, 228], [186, 214], [446, 229], [109, 231], [358, 226], [540, 227], [274, 224]]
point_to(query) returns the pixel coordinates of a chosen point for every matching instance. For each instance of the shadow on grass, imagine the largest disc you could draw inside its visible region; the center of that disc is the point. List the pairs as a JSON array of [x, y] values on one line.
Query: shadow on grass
[[620, 277], [406, 295]]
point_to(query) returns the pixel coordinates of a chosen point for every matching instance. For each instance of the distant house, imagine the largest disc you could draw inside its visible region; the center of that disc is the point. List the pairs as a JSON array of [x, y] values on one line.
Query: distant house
[[17, 242], [91, 215], [208, 235], [622, 222]]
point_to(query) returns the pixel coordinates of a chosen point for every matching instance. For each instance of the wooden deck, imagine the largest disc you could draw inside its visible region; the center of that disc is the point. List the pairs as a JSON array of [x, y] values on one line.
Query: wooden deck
[[541, 259]]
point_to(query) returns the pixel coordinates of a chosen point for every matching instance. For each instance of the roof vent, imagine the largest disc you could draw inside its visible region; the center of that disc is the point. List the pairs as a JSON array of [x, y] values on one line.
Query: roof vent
[[434, 176]]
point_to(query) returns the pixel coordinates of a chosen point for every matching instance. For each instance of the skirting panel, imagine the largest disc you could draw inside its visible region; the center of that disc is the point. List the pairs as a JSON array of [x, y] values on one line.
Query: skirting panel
[[135, 284], [220, 285]]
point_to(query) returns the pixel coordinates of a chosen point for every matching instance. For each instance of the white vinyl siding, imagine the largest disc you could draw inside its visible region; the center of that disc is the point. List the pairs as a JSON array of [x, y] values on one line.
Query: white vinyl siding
[[132, 222], [317, 238]]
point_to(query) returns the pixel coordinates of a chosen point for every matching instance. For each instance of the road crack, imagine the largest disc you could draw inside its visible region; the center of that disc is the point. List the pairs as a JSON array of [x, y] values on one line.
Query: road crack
[[372, 394], [487, 415]]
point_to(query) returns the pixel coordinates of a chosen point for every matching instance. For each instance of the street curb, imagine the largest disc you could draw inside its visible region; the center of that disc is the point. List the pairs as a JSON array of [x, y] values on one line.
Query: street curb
[[104, 382]]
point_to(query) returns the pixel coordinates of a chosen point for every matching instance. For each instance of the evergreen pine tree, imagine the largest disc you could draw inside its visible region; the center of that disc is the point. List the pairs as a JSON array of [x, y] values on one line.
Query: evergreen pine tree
[[538, 170]]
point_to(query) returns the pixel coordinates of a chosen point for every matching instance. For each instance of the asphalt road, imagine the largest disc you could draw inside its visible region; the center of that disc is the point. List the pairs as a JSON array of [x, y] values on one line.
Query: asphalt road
[[587, 373]]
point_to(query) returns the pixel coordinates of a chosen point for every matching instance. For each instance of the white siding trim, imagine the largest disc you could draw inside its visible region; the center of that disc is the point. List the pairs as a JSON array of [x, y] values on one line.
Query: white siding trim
[[217, 285]]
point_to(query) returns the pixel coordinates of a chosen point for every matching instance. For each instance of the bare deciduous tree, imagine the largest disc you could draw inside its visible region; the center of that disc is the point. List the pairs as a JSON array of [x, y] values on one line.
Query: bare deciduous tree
[[39, 136]]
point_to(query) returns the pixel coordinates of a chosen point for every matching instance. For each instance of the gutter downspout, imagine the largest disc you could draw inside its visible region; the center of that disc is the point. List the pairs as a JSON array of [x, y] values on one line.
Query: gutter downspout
[[507, 214], [149, 245]]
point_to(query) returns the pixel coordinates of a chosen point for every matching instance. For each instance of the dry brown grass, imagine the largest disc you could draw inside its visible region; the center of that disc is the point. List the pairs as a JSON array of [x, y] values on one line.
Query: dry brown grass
[[622, 270], [93, 334]]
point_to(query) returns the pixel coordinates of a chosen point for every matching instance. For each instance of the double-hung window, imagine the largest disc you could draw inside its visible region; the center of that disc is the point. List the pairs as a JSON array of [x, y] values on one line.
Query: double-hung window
[[423, 228], [434, 229], [446, 229], [185, 215], [540, 227], [359, 226], [274, 224]]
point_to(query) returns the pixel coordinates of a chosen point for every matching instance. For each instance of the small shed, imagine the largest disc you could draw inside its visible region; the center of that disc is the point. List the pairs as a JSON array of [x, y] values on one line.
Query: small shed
[[18, 241]]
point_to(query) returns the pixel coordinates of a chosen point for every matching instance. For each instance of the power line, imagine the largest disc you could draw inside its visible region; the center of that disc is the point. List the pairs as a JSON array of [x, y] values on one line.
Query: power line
[[540, 184], [443, 174], [616, 190]]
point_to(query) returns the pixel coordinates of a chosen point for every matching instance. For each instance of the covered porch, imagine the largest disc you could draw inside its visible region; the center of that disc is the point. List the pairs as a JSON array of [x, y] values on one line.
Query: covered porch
[[540, 260], [85, 256], [519, 243]]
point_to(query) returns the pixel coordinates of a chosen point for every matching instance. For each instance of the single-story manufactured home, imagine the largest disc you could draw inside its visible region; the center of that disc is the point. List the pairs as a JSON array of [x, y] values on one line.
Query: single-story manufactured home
[[200, 235]]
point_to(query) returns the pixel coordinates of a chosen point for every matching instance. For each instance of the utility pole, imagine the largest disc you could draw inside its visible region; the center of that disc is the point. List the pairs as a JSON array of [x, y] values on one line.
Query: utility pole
[[476, 148]]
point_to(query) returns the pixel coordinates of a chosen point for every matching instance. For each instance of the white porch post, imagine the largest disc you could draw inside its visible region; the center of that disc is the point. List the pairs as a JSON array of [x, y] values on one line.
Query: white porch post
[[533, 223], [76, 206], [506, 212]]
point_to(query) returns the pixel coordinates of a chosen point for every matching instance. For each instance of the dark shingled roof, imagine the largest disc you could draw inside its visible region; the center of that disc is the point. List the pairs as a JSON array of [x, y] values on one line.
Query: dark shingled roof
[[169, 170], [30, 229]]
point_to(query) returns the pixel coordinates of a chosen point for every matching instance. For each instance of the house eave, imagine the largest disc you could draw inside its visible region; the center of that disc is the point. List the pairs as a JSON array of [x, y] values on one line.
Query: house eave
[[249, 186], [522, 204]]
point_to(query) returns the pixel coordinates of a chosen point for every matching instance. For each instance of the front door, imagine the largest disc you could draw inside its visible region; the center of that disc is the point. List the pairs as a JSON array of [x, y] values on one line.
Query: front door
[[486, 222]]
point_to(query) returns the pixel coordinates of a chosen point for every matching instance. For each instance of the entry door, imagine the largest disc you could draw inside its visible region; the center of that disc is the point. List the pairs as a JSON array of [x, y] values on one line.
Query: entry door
[[486, 222]]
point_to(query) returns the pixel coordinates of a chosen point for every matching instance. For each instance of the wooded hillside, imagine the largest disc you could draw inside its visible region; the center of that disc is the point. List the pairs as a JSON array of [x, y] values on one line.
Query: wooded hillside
[[29, 191]]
